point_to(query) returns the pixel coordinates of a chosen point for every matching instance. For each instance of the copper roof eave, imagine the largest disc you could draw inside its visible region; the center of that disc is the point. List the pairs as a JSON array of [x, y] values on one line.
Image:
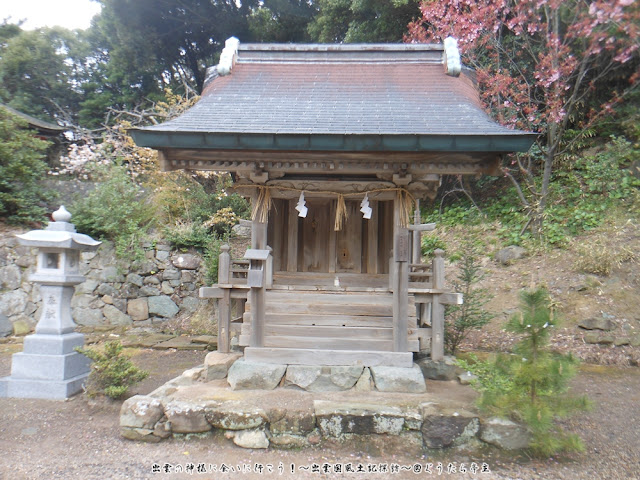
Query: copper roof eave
[[504, 143]]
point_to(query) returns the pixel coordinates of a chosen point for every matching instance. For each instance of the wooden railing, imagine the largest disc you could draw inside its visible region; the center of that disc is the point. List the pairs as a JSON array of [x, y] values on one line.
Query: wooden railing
[[425, 284]]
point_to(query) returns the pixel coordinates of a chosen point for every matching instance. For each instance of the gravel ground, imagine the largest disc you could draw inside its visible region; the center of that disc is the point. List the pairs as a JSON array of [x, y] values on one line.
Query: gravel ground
[[79, 439]]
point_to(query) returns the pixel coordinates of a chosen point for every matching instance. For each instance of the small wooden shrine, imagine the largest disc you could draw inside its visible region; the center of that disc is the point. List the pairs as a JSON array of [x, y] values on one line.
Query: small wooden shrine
[[335, 145]]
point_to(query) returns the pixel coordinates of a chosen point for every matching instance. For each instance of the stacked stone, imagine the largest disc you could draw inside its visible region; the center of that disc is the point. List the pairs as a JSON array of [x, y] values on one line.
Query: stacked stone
[[19, 298], [305, 421], [116, 292], [149, 292]]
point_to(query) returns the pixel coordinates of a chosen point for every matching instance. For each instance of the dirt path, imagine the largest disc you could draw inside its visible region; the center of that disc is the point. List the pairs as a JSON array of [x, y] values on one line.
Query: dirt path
[[79, 439]]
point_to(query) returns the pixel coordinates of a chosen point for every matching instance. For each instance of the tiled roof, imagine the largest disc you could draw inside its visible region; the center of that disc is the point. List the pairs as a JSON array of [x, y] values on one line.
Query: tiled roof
[[384, 90], [40, 125]]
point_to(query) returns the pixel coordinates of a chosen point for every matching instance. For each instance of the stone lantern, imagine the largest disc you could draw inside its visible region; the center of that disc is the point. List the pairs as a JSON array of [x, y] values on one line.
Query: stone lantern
[[49, 367]]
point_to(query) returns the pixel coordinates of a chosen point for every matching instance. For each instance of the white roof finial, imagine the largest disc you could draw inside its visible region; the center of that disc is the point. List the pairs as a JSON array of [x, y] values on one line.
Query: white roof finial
[[452, 64], [228, 55]]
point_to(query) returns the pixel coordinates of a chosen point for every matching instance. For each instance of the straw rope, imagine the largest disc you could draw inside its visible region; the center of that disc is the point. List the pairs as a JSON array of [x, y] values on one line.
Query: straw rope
[[341, 213], [261, 208]]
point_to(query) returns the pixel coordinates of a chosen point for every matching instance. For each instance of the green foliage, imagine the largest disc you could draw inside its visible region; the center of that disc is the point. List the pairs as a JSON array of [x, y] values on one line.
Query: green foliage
[[21, 167], [111, 372], [352, 21], [281, 21], [185, 235], [459, 213], [223, 221], [530, 386], [431, 243], [471, 315], [581, 197], [40, 74], [493, 378], [115, 210], [181, 197], [211, 258], [197, 211]]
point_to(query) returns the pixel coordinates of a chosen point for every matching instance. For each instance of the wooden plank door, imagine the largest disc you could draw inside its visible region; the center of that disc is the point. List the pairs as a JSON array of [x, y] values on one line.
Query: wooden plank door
[[313, 247], [349, 241]]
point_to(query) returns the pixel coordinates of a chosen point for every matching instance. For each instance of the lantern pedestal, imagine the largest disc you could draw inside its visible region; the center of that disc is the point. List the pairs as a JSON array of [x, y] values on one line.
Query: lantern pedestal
[[49, 367]]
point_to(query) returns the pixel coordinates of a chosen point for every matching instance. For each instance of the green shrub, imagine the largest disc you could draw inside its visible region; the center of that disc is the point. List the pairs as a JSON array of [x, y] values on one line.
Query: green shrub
[[188, 234], [211, 258], [431, 243], [22, 166], [111, 372], [183, 197], [115, 210]]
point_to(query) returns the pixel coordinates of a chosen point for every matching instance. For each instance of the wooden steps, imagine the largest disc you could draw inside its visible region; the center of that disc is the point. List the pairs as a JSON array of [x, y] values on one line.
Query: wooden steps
[[354, 321]]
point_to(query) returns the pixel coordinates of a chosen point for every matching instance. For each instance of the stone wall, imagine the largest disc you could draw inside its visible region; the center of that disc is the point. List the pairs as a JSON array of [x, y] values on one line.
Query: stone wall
[[116, 292]]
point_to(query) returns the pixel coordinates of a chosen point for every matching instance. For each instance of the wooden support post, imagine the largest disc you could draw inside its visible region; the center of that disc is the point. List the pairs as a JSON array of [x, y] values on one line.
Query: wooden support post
[[401, 283], [256, 281], [257, 317], [372, 239], [258, 235], [416, 252], [269, 269], [292, 237], [392, 271], [224, 303], [437, 308], [224, 265], [258, 229], [333, 240]]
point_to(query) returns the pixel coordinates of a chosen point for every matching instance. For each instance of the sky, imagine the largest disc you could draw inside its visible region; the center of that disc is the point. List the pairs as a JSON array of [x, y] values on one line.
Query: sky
[[47, 13]]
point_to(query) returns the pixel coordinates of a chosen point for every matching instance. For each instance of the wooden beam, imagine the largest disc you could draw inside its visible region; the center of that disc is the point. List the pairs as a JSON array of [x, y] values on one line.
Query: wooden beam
[[448, 298], [218, 291], [422, 227], [343, 163]]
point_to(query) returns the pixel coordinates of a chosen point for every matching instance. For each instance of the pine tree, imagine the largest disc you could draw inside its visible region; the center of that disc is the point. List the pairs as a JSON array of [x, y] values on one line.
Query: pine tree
[[530, 386], [471, 315]]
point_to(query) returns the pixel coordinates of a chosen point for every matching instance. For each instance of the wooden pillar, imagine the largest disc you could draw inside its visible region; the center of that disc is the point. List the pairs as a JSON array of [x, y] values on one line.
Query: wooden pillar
[[224, 303], [401, 282], [437, 308], [258, 235], [256, 338], [416, 251], [372, 239], [256, 295], [333, 239], [258, 229], [292, 237], [256, 280], [269, 269]]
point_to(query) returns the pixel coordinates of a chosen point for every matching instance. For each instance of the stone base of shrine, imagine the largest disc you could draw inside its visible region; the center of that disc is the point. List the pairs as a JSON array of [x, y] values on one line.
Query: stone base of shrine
[[49, 367], [295, 406]]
